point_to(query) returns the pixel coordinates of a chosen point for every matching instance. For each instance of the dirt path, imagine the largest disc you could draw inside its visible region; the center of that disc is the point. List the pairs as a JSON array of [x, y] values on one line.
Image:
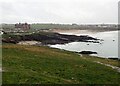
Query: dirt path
[[0, 69], [114, 67]]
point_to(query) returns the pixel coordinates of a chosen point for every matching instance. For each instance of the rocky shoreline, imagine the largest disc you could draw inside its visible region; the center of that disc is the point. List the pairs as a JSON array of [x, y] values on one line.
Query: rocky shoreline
[[49, 38]]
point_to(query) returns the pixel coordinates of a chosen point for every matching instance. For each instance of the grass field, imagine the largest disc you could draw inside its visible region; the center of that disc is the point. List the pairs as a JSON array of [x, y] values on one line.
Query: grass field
[[44, 65], [44, 26]]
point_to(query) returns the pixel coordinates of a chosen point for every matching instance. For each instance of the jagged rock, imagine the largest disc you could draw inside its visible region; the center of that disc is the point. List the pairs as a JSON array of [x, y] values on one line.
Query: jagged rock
[[50, 38], [114, 58], [87, 52]]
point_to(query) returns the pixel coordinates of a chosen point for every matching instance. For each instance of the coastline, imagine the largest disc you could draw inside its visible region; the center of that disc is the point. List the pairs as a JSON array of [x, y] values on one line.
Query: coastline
[[108, 38]]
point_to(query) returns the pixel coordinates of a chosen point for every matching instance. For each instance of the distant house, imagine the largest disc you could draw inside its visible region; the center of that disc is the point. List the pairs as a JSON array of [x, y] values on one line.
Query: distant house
[[74, 24], [22, 26]]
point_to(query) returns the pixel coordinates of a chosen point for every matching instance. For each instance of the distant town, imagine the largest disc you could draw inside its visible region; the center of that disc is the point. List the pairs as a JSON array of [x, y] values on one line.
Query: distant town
[[26, 27]]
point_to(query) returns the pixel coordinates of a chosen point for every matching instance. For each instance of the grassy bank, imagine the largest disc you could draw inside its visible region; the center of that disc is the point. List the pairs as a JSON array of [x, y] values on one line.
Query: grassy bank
[[41, 65]]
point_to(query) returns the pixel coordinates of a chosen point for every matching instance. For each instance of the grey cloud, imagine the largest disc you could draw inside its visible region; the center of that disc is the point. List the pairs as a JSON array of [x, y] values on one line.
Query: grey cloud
[[59, 11]]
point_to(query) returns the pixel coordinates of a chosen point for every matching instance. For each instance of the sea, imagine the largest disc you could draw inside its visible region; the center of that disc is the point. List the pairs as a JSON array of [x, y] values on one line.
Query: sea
[[107, 48]]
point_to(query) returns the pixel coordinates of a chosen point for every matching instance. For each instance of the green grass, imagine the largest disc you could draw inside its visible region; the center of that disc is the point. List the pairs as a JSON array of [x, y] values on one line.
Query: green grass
[[39, 26], [44, 65]]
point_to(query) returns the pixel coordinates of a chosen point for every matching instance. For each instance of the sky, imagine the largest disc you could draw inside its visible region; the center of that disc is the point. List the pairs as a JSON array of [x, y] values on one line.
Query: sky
[[59, 11]]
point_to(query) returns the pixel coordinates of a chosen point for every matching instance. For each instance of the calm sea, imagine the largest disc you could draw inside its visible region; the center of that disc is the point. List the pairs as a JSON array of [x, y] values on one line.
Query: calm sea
[[107, 48]]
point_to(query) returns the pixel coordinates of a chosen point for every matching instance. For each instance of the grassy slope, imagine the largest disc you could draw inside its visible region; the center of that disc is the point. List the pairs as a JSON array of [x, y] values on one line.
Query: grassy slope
[[32, 64]]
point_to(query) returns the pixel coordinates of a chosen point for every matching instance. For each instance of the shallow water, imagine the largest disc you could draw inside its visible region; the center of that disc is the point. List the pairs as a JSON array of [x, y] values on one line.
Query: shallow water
[[107, 48]]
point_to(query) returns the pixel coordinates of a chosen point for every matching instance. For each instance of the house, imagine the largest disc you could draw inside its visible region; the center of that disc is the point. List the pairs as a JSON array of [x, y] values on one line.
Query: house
[[22, 26]]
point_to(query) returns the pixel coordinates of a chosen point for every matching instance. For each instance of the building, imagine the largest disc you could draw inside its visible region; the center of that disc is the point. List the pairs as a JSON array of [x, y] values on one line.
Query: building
[[22, 26]]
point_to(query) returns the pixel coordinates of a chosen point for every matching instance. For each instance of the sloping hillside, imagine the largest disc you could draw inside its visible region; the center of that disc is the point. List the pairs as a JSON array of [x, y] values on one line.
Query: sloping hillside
[[36, 65]]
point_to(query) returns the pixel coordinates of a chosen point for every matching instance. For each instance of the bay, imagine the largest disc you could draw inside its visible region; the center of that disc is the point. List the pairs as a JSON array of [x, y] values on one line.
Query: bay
[[106, 49]]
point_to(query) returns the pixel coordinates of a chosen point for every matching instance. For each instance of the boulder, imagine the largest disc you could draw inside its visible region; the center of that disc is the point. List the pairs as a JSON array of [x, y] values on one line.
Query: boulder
[[87, 52]]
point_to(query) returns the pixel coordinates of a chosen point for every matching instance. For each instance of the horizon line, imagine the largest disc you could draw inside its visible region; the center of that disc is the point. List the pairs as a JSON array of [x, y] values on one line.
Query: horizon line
[[61, 23]]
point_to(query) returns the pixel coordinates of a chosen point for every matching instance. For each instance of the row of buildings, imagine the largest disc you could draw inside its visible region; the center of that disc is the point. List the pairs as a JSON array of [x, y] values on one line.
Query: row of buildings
[[22, 26]]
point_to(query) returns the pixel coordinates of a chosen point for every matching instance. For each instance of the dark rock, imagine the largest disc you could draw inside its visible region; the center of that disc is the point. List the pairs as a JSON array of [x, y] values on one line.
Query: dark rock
[[114, 58], [101, 40], [51, 38], [9, 41], [87, 52]]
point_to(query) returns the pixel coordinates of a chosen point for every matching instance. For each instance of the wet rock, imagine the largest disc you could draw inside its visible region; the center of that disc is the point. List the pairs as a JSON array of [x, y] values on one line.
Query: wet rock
[[87, 52], [114, 58], [51, 38]]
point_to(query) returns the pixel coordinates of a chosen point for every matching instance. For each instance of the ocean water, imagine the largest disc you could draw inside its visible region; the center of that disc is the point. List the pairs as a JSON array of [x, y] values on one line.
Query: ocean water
[[106, 49]]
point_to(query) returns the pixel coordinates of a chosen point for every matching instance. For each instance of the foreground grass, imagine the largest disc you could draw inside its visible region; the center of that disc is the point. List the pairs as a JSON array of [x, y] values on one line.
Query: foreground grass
[[41, 65]]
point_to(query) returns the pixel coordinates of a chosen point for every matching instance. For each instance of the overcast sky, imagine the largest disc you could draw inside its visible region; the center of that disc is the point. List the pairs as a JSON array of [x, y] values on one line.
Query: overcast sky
[[59, 11]]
